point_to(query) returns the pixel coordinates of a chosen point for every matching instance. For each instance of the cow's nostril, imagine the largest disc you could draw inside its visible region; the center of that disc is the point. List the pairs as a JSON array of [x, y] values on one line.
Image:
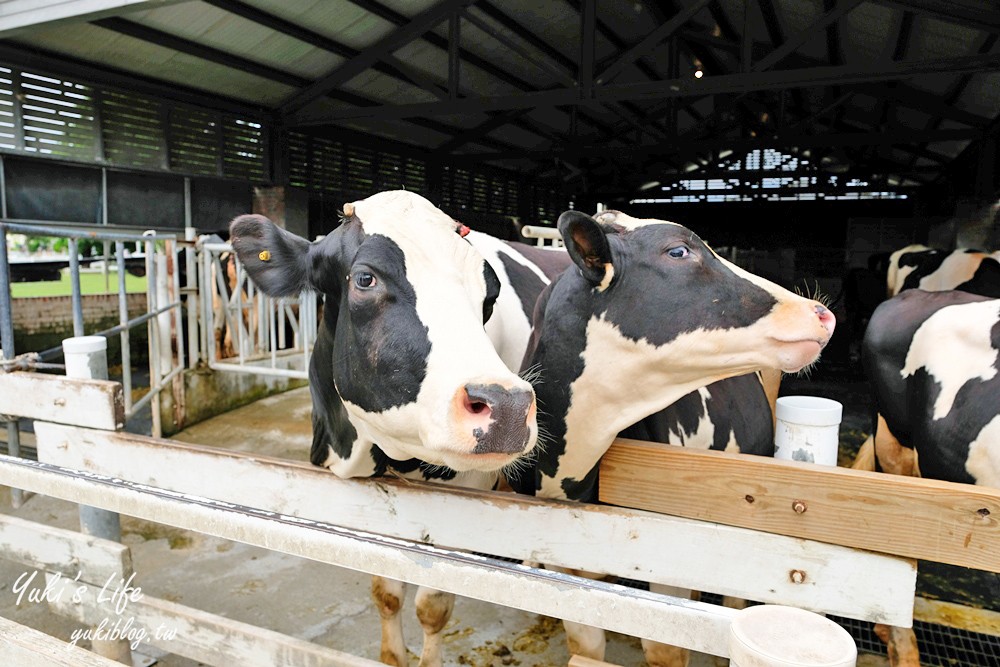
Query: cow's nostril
[[476, 407], [826, 317]]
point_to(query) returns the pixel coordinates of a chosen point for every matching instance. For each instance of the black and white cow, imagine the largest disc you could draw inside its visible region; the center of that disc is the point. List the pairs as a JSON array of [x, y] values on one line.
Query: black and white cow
[[934, 270], [933, 362], [414, 368], [648, 315]]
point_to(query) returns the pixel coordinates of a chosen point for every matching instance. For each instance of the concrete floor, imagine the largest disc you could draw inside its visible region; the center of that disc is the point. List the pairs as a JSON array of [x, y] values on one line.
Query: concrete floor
[[312, 601]]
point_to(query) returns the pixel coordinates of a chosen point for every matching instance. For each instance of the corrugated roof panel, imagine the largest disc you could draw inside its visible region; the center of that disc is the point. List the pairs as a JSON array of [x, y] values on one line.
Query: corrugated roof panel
[[340, 20], [914, 118], [213, 27], [385, 89], [934, 38], [866, 33], [949, 148], [799, 15], [435, 61], [89, 42], [982, 95]]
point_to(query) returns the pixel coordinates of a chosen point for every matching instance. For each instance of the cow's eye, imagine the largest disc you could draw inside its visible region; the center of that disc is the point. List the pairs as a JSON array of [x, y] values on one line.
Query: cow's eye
[[365, 280], [679, 252]]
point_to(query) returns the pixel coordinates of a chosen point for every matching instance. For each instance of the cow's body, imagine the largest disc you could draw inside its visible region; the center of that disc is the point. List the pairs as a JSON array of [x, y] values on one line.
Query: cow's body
[[414, 367], [935, 270], [932, 360], [649, 315]]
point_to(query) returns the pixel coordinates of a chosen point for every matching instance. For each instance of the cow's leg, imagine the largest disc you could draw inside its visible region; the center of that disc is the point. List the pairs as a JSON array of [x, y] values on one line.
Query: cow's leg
[[583, 640], [865, 459], [433, 611], [388, 595], [665, 655], [892, 456], [901, 645]]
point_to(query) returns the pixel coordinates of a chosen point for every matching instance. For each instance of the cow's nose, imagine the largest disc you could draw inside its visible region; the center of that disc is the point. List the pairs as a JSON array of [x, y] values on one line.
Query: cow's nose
[[826, 318], [499, 416]]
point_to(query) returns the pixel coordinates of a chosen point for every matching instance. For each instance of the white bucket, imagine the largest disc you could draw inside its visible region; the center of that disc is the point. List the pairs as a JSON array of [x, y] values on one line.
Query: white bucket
[[807, 429], [778, 636], [86, 357]]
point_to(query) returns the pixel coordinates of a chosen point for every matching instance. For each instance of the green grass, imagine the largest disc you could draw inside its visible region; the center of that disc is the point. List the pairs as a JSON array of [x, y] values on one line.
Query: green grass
[[90, 283]]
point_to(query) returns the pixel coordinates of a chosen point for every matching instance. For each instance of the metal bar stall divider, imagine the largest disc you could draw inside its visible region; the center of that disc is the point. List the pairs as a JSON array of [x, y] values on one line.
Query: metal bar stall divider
[[152, 318]]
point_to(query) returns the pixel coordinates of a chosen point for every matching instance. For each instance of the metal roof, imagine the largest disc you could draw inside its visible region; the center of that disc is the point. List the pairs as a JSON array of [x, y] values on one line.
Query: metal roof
[[601, 92]]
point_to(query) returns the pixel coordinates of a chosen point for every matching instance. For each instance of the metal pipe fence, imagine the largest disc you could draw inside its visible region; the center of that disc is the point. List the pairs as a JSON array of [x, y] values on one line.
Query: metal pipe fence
[[163, 316]]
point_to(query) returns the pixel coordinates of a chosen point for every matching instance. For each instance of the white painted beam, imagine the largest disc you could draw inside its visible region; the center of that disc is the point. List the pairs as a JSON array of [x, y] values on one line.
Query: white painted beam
[[631, 543], [27, 647], [24, 15], [670, 620]]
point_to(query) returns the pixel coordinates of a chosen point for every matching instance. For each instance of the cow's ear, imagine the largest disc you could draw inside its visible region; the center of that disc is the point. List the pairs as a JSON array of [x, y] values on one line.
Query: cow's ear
[[588, 247], [277, 260]]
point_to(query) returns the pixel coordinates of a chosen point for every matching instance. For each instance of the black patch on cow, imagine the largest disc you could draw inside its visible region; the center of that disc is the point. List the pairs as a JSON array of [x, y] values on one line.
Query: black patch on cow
[[492, 291], [379, 335], [924, 263], [332, 428], [383, 464], [907, 404], [525, 282], [736, 407], [986, 279], [698, 292]]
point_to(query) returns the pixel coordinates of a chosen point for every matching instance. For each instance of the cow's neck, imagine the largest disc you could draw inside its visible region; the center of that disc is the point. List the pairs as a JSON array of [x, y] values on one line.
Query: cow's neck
[[598, 394]]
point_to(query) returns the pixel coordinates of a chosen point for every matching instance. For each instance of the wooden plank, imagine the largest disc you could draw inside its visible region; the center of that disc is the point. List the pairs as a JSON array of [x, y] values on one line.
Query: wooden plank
[[56, 398], [958, 616], [27, 647], [670, 620], [67, 552], [198, 635], [581, 661], [928, 519], [702, 556]]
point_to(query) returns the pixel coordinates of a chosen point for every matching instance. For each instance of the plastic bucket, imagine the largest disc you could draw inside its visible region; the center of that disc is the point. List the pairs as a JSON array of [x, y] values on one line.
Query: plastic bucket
[[778, 636], [807, 429], [86, 357]]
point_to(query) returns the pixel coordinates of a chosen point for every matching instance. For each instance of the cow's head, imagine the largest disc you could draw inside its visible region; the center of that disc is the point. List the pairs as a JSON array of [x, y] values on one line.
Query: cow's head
[[658, 282], [406, 300]]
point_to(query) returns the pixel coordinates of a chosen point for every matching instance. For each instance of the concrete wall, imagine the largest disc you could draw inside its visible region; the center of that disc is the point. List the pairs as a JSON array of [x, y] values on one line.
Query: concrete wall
[[203, 393], [285, 206], [42, 322]]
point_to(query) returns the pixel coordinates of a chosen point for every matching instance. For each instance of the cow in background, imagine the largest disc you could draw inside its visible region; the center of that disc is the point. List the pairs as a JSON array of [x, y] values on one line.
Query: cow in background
[[935, 270], [648, 315], [933, 361]]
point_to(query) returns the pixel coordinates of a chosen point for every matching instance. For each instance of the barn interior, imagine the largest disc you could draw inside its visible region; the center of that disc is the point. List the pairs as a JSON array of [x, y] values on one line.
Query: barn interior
[[803, 139]]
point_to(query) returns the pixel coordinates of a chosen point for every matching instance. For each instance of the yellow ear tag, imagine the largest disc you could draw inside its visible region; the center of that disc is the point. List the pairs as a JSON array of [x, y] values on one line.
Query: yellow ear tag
[[264, 255]]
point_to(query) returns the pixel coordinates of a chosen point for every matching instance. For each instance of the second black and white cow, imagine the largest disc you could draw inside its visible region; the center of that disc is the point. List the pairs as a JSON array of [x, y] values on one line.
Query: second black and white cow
[[414, 368], [933, 362], [933, 269], [649, 315]]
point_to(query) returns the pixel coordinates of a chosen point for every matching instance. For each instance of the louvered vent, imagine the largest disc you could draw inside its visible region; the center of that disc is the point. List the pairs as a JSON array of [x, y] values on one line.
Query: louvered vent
[[58, 117], [244, 151], [133, 130], [195, 141], [8, 138], [360, 176]]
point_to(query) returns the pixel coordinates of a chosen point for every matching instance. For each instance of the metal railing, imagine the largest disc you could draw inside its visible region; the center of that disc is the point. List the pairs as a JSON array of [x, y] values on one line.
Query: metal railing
[[163, 317], [544, 236], [245, 331]]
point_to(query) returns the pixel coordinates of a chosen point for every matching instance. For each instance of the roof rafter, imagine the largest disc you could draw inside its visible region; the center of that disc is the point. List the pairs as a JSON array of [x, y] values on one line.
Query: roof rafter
[[398, 38]]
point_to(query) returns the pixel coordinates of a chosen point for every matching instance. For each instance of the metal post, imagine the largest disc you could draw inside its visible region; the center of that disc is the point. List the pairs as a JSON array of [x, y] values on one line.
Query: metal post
[[123, 322], [104, 219], [87, 358], [3, 189], [154, 336], [191, 289], [7, 343], [74, 280]]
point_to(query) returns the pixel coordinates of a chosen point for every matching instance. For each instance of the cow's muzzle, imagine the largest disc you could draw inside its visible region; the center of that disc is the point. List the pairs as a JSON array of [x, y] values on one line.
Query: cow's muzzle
[[499, 418]]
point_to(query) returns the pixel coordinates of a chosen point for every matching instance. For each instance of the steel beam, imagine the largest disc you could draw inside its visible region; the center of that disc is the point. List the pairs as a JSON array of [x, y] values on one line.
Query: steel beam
[[650, 41], [420, 24], [789, 46], [982, 17], [809, 77]]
